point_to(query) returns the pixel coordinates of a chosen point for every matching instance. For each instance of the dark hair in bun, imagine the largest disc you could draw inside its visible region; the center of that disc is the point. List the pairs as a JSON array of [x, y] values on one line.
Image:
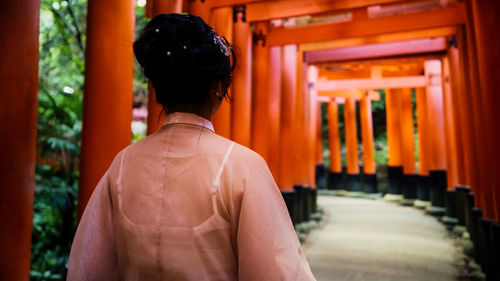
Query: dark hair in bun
[[184, 59]]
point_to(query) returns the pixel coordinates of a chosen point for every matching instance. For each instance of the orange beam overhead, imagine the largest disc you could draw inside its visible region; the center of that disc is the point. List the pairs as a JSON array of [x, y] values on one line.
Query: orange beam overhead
[[230, 3], [381, 38], [453, 14], [268, 10], [326, 96], [378, 83], [419, 46]]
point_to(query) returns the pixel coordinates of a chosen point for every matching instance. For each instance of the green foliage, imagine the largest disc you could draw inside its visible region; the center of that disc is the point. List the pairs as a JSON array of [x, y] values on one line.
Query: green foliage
[[60, 97]]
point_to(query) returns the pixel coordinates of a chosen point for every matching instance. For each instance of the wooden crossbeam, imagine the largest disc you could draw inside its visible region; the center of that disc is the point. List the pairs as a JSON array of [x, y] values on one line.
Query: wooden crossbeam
[[383, 38], [377, 83], [225, 3], [452, 15], [420, 46], [325, 96], [268, 10]]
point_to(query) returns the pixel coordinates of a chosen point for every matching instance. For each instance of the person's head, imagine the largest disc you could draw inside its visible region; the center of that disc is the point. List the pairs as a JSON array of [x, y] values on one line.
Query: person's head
[[188, 63]]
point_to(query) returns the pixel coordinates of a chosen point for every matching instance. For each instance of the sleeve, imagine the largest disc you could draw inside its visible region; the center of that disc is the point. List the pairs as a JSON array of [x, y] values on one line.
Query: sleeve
[[93, 253], [267, 244]]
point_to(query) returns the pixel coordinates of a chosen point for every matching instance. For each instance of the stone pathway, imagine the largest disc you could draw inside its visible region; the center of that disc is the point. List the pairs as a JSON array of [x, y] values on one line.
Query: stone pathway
[[366, 240]]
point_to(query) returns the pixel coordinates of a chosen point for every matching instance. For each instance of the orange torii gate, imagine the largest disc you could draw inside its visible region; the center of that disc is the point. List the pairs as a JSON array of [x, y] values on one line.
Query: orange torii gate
[[473, 73]]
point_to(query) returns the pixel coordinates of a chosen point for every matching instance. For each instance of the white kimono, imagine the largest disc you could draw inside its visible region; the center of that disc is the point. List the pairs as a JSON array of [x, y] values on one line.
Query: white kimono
[[187, 204]]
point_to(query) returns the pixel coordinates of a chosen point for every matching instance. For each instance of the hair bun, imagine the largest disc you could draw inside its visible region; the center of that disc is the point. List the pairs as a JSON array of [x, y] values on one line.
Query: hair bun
[[183, 57]]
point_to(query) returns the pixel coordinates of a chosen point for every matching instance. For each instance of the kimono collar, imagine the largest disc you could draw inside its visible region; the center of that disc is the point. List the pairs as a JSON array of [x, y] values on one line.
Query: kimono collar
[[188, 118]]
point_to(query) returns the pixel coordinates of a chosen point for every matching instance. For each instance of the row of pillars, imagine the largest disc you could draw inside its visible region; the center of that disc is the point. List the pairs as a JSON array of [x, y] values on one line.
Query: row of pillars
[[368, 184], [108, 103]]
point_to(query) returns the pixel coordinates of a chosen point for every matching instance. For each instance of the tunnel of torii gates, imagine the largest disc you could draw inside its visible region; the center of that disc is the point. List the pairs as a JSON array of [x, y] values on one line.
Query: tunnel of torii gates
[[292, 56]]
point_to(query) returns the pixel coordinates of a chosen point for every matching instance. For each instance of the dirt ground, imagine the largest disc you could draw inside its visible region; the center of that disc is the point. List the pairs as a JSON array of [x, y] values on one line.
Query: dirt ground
[[365, 240]]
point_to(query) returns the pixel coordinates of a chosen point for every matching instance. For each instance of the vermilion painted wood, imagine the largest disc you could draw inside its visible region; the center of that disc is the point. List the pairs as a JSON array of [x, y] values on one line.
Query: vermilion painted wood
[[107, 101], [365, 107], [436, 117], [381, 38], [200, 8], [288, 118], [376, 83], [156, 115], [166, 6], [222, 22], [355, 94], [459, 116], [148, 9], [312, 123], [300, 134], [449, 101], [351, 136], [334, 138], [319, 134], [230, 3], [466, 47], [420, 46], [274, 139], [18, 117], [453, 14], [260, 92], [393, 115], [423, 132], [407, 133], [241, 111], [267, 10], [486, 23]]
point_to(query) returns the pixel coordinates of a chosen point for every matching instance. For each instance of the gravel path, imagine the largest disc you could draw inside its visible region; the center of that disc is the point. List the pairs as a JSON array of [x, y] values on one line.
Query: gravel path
[[365, 240]]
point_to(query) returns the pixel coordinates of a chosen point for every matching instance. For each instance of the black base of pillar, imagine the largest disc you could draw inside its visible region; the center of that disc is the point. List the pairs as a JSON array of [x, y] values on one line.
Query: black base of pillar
[[450, 217], [423, 188], [370, 183], [485, 250], [354, 183], [307, 203], [410, 187], [313, 195], [335, 181], [438, 188], [320, 176], [291, 203], [395, 174], [469, 214], [299, 203], [476, 214], [461, 199], [495, 236]]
